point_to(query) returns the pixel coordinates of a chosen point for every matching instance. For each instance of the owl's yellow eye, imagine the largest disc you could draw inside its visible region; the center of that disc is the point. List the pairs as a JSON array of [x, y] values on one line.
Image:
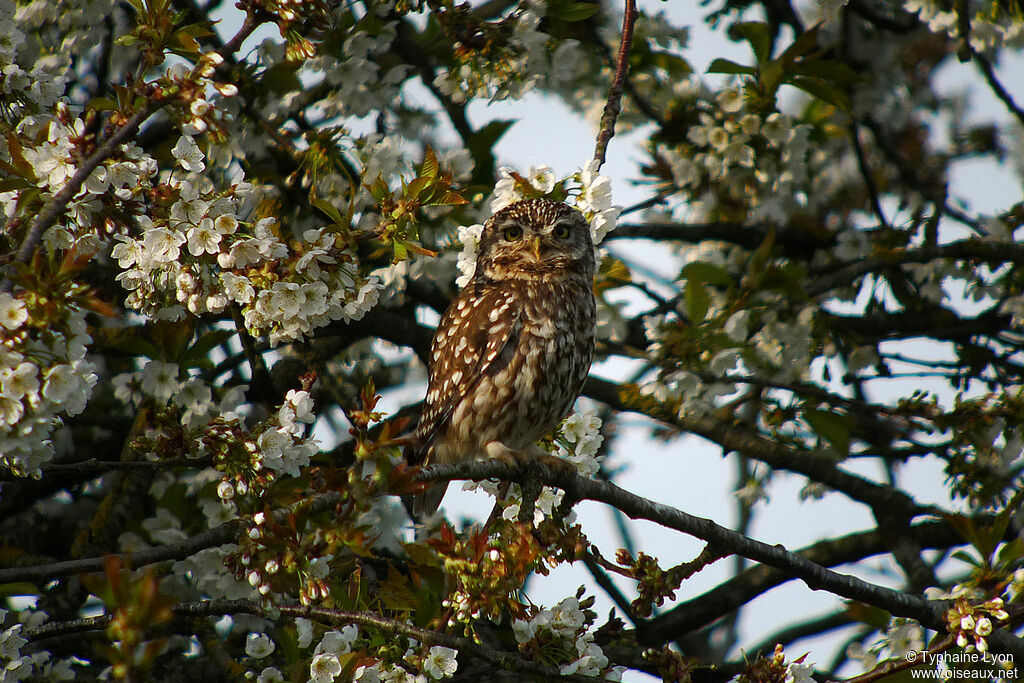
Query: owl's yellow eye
[[512, 233], [561, 231]]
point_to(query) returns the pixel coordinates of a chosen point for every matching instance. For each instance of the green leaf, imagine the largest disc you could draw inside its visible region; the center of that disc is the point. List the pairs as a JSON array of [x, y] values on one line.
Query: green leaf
[[327, 208], [397, 593], [759, 35], [697, 301], [827, 70], [101, 104], [726, 66], [868, 614], [15, 183], [14, 149], [186, 44], [380, 190], [416, 186], [801, 45], [400, 251], [965, 526], [993, 535], [674, 64], [280, 78], [578, 11], [430, 166], [771, 77], [129, 342], [421, 555], [452, 198], [1011, 552], [965, 556], [832, 427], [822, 91], [706, 272], [480, 146], [759, 258], [200, 29], [615, 268], [196, 355]]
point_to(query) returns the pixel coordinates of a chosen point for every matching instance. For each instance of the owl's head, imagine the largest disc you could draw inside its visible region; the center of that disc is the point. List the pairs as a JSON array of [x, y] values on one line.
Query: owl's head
[[535, 238]]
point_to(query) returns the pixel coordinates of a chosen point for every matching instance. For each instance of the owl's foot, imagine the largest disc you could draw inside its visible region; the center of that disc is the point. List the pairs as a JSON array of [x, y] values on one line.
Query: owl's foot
[[536, 465], [529, 457]]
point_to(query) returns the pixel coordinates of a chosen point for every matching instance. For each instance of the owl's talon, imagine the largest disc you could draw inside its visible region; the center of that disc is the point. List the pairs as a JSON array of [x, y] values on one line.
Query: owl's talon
[[558, 466], [495, 450], [529, 457]]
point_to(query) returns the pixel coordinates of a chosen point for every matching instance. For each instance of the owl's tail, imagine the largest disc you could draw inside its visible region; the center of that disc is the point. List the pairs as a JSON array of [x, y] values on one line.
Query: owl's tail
[[424, 504]]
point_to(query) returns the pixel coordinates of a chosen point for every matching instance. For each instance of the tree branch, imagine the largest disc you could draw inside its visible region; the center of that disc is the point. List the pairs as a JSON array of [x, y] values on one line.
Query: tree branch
[[1001, 92], [817, 465], [811, 573], [510, 661], [757, 580], [614, 103], [225, 533], [52, 211], [928, 613]]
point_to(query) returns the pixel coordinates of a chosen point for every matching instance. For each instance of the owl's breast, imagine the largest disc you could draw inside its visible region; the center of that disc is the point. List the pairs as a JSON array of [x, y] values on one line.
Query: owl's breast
[[555, 352]]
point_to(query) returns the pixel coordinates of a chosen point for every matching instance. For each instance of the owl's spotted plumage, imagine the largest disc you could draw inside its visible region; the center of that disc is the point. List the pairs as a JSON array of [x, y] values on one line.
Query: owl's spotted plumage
[[511, 353]]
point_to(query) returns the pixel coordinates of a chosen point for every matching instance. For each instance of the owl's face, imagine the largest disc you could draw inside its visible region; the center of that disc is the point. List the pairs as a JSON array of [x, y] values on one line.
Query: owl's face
[[535, 238]]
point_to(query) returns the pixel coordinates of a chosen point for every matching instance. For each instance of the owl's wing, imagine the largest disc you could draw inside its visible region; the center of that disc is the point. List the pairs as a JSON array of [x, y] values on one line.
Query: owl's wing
[[474, 338]]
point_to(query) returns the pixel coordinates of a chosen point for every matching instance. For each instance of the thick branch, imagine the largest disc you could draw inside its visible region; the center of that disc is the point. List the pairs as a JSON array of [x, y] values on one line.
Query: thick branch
[[225, 533], [811, 573], [744, 587], [816, 577], [510, 661], [819, 466]]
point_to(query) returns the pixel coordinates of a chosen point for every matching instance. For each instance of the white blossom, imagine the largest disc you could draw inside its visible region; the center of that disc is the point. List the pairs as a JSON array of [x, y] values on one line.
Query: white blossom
[[188, 154], [13, 313], [440, 662], [270, 675], [259, 645], [304, 631], [324, 668]]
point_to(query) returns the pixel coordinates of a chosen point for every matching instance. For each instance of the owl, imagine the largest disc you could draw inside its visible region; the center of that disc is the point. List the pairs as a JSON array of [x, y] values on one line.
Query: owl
[[512, 351]]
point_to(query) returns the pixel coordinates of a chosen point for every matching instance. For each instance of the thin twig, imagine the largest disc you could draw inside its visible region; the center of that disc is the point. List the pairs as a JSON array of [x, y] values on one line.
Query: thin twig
[[1001, 92], [789, 634], [869, 178], [818, 465], [605, 582], [225, 533], [963, 25], [891, 666], [614, 103]]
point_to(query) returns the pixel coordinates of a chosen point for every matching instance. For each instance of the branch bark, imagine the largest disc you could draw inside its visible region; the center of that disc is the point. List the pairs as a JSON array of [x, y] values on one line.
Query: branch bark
[[503, 659], [928, 613]]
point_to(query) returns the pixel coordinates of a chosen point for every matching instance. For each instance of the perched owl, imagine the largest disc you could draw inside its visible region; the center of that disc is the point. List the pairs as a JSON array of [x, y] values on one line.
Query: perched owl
[[511, 353]]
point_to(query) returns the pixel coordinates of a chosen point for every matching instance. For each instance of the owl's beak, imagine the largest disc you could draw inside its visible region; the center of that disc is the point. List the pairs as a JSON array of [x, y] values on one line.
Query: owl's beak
[[535, 247]]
